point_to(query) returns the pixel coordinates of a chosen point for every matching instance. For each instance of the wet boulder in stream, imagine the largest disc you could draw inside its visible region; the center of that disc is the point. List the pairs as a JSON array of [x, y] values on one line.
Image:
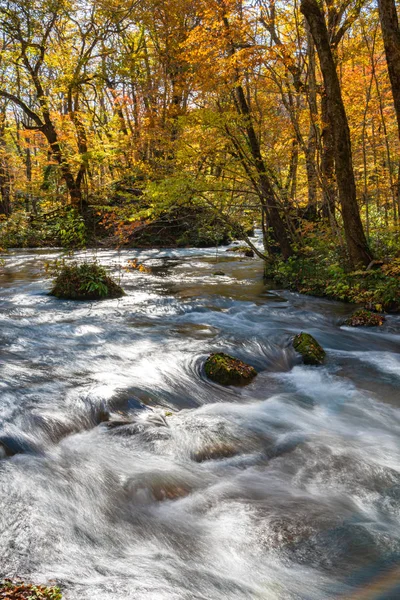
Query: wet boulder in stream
[[227, 370], [244, 250], [11, 445], [310, 350]]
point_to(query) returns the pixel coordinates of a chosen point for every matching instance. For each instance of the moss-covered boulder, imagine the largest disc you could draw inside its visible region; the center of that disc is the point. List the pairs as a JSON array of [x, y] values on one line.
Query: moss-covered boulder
[[365, 318], [85, 281], [227, 370], [17, 590], [245, 250], [310, 350]]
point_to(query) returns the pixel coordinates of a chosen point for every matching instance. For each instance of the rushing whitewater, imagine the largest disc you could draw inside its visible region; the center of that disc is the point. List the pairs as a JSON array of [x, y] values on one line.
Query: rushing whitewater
[[286, 489]]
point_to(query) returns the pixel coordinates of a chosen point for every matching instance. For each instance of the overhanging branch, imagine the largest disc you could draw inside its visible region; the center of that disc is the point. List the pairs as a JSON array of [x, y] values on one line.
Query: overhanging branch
[[28, 111]]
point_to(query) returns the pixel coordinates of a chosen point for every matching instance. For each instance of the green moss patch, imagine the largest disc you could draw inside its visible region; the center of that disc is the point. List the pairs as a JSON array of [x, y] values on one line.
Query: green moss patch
[[85, 281], [16, 590], [227, 370], [365, 318], [310, 350]]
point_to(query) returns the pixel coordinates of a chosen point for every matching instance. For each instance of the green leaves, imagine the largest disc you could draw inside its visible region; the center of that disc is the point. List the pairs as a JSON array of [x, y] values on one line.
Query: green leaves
[[84, 281]]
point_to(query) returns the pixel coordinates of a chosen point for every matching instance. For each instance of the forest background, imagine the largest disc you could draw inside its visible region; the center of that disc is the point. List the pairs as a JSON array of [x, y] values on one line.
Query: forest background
[[154, 122]]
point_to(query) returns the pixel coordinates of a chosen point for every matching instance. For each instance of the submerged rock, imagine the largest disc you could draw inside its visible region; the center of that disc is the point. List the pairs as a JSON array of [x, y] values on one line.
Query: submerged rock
[[365, 318], [215, 451], [126, 425], [227, 370], [310, 350], [219, 274], [12, 445], [85, 281], [158, 486]]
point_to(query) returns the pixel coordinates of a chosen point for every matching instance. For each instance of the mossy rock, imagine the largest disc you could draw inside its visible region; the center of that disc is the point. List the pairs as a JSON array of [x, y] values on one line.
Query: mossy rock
[[243, 250], [365, 318], [227, 370], [309, 348], [85, 281], [17, 590]]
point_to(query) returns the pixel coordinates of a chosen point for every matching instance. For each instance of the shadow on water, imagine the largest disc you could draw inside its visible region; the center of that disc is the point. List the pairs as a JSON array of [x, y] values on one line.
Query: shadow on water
[[125, 473]]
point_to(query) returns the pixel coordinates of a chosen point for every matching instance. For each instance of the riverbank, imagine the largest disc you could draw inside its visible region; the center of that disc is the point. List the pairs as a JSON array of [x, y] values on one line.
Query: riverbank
[[376, 289]]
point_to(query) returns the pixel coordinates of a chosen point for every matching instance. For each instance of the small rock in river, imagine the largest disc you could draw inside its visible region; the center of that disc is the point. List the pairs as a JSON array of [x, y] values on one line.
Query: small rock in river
[[309, 348], [227, 370]]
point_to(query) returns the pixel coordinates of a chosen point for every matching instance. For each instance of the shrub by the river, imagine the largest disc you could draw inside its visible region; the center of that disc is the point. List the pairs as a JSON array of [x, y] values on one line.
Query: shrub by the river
[[377, 289], [364, 318], [320, 267], [60, 227], [16, 590], [227, 370], [85, 281]]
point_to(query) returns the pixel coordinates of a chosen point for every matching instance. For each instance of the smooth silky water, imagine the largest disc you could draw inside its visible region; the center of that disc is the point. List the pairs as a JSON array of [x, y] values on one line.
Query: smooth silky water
[[288, 488]]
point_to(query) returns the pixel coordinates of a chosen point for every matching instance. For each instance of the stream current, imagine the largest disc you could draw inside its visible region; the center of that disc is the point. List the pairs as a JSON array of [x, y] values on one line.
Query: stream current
[[286, 489]]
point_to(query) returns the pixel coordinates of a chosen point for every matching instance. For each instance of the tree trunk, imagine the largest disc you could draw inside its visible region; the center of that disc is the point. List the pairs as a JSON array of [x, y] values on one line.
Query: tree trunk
[[73, 185], [5, 180], [268, 197], [327, 162], [359, 253], [311, 166], [5, 190], [391, 39]]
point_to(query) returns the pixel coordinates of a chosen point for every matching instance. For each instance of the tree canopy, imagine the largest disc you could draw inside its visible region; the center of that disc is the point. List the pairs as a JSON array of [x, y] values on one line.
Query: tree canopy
[[283, 113]]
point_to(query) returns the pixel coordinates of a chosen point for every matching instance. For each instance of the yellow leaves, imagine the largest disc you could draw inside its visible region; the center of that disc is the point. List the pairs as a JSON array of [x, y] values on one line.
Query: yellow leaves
[[134, 265]]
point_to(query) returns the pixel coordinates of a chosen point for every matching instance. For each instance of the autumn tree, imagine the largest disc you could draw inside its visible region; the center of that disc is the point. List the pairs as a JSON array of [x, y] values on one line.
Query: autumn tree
[[359, 253], [391, 37]]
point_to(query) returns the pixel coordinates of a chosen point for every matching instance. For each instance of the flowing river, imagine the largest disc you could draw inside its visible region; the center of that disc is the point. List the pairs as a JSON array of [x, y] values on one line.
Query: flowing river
[[286, 489]]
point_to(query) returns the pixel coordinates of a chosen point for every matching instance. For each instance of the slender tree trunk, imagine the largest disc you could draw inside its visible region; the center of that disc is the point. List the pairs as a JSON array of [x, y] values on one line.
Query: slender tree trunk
[[5, 179], [359, 253], [290, 187], [311, 166], [327, 162], [73, 184], [261, 180], [267, 192], [391, 39]]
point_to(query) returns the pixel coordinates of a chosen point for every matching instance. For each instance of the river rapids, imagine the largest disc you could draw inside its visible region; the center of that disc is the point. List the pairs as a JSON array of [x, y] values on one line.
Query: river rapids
[[287, 489]]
